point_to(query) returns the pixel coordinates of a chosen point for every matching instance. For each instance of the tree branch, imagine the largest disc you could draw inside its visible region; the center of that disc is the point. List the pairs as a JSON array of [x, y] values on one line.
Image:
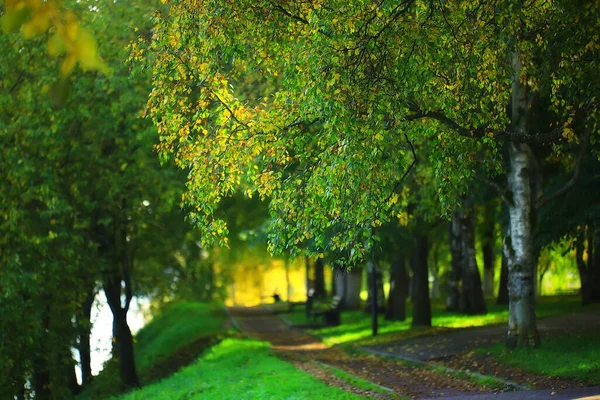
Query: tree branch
[[574, 178], [545, 138], [499, 189], [410, 167]]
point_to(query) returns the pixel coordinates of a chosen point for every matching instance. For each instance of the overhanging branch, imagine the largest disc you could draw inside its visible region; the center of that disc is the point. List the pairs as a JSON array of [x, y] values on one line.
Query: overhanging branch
[[574, 178], [479, 132]]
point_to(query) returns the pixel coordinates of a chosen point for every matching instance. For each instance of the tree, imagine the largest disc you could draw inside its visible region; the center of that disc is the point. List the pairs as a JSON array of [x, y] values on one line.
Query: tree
[[352, 79], [84, 197], [488, 239], [465, 292]]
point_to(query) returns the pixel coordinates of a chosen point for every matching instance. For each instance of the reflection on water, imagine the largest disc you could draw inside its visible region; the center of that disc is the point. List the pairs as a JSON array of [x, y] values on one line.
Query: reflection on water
[[100, 340]]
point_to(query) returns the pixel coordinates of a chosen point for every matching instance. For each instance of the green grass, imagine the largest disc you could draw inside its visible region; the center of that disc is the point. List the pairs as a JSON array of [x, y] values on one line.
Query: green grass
[[573, 356], [177, 326], [239, 369], [356, 325]]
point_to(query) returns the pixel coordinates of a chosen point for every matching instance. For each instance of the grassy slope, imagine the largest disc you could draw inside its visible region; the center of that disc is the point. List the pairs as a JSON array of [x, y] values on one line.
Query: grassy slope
[[356, 325], [239, 369], [177, 326], [574, 356], [233, 369]]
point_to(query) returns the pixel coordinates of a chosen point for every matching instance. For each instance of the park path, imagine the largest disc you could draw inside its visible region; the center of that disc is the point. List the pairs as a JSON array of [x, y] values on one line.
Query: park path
[[454, 350], [445, 346], [311, 355]]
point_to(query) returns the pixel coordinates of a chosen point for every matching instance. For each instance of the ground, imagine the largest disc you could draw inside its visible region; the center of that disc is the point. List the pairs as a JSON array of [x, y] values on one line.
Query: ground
[[201, 351], [444, 365]]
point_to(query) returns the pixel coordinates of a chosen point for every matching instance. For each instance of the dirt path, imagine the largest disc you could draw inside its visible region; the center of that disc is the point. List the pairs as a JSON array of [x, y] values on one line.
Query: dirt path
[[309, 354], [458, 341], [454, 349]]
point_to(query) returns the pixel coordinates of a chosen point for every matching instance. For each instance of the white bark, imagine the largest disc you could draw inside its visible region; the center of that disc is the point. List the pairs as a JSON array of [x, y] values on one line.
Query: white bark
[[518, 244]]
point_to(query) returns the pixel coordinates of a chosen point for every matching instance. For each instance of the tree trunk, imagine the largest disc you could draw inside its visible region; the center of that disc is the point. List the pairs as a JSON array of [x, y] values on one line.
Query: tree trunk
[[126, 355], [374, 273], [454, 275], [594, 270], [287, 281], [85, 354], [320, 278], [396, 305], [40, 364], [123, 345], [472, 300], [518, 249], [72, 379], [503, 284], [434, 270], [307, 275], [41, 378], [421, 305], [373, 300], [518, 244], [340, 286], [488, 240], [354, 279], [22, 394], [583, 267]]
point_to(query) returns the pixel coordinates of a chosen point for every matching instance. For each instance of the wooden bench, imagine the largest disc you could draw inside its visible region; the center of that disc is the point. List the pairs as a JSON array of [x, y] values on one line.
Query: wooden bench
[[331, 315]]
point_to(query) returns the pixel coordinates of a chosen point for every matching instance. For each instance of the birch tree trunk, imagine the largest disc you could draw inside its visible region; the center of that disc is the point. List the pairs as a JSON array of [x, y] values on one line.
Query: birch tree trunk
[[518, 244]]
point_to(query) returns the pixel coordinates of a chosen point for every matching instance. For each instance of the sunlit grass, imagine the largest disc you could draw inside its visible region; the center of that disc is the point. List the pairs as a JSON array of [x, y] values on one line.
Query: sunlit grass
[[356, 325], [573, 356], [239, 369], [177, 326]]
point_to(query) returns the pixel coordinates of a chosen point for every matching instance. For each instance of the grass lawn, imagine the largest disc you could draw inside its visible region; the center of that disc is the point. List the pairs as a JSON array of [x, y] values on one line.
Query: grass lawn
[[177, 326], [239, 369], [356, 325], [573, 356]]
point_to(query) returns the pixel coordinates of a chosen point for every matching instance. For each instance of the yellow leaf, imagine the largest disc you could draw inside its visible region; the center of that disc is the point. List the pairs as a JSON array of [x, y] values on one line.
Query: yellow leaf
[[56, 45], [37, 25], [67, 66], [13, 18]]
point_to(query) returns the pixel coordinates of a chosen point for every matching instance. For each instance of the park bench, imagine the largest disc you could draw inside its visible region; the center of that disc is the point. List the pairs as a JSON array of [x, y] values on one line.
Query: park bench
[[331, 315]]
